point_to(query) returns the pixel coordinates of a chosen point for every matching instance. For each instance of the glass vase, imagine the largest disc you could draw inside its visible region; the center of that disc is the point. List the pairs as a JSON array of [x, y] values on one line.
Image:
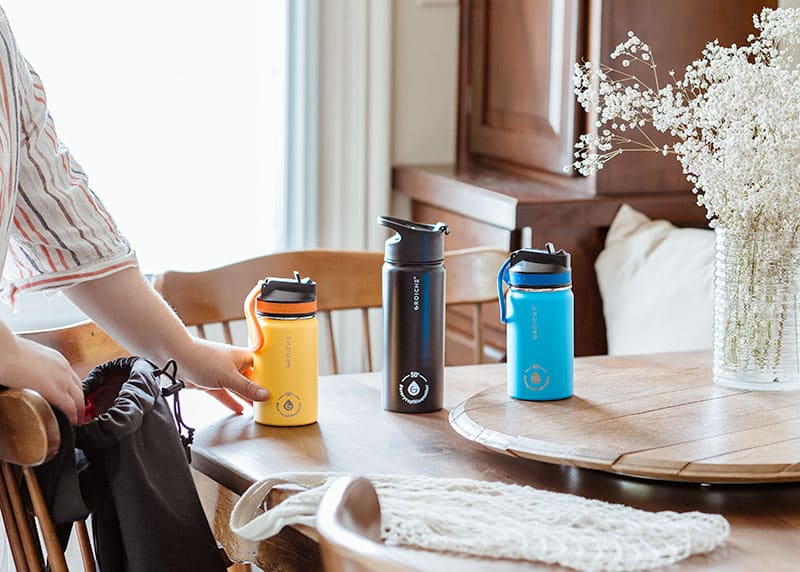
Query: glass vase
[[756, 337]]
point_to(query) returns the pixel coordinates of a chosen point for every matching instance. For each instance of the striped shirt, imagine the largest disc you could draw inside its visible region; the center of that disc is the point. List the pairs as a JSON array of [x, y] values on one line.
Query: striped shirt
[[54, 231]]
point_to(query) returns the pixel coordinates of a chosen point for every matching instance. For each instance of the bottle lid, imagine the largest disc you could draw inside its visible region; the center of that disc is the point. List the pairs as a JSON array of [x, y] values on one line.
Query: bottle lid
[[287, 297], [539, 268], [414, 241]]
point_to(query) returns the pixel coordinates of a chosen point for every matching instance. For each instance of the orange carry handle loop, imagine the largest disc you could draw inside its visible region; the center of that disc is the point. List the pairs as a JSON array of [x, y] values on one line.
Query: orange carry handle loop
[[254, 334]]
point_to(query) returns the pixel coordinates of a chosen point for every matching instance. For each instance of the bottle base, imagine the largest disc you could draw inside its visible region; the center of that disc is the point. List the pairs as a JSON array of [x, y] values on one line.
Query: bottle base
[[412, 412], [553, 398], [279, 424]]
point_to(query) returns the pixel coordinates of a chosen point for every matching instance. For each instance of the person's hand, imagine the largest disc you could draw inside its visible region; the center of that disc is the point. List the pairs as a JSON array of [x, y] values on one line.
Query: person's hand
[[130, 310], [218, 369], [26, 364]]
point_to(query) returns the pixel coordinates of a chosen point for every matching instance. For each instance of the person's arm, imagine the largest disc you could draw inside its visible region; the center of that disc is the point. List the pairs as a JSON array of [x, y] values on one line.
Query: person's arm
[[127, 307], [26, 364]]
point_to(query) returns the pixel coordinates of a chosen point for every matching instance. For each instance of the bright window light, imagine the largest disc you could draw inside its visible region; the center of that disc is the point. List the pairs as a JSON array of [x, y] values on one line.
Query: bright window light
[[176, 110]]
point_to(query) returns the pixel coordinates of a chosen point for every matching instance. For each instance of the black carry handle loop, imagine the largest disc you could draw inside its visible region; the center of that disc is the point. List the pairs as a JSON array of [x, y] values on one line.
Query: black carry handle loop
[[170, 369]]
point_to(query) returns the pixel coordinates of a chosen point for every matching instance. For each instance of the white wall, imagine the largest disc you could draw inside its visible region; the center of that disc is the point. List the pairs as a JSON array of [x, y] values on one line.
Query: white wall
[[165, 104], [424, 81]]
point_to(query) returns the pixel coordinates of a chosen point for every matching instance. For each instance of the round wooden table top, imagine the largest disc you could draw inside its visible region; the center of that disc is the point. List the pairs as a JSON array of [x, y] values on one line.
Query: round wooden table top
[[667, 422]]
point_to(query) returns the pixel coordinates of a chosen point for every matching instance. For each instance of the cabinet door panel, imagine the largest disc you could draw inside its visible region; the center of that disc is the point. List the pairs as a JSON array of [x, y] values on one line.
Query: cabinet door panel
[[521, 54]]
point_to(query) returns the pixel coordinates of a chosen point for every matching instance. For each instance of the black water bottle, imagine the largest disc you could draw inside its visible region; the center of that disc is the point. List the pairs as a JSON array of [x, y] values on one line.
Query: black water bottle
[[413, 316]]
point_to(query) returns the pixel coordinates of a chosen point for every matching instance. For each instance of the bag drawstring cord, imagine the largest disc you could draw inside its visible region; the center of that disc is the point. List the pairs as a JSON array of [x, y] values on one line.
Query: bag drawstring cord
[[170, 369]]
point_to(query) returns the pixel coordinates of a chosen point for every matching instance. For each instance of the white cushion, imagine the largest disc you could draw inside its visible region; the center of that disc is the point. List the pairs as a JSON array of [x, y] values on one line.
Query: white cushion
[[656, 283]]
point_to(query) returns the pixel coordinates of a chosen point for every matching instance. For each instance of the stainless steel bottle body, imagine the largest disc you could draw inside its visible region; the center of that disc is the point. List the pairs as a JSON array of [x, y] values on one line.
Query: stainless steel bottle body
[[540, 343], [413, 337]]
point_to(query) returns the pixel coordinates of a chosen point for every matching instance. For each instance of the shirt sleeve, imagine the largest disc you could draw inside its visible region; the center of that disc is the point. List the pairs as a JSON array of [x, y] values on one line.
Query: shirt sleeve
[[61, 233]]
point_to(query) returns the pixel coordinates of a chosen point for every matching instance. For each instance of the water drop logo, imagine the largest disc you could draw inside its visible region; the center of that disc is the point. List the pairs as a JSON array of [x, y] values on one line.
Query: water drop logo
[[536, 378], [288, 404], [414, 388]]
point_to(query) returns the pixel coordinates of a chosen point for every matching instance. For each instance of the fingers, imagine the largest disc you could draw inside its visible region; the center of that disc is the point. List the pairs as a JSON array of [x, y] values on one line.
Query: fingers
[[67, 395], [247, 389], [78, 399], [42, 369], [227, 400], [67, 406], [220, 366]]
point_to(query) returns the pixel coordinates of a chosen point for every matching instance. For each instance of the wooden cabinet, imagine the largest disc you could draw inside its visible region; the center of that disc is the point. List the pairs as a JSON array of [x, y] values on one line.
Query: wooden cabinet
[[516, 92], [518, 97], [518, 122]]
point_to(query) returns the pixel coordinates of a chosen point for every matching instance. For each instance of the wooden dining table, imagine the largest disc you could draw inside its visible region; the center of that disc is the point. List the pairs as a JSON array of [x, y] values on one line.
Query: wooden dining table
[[355, 435]]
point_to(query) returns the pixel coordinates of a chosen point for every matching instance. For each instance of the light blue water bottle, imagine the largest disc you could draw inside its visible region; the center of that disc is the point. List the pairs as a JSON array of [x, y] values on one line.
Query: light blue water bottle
[[539, 316]]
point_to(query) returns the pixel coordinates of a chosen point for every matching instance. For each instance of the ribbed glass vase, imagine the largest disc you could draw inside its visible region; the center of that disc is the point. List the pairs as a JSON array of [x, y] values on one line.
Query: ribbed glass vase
[[756, 287]]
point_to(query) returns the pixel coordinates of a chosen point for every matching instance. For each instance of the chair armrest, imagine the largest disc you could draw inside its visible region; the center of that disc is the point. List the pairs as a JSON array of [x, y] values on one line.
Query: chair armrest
[[349, 524], [29, 433]]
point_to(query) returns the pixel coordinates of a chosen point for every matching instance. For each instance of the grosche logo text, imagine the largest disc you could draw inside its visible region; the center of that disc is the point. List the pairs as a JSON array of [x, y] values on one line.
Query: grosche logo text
[[415, 295], [414, 388], [536, 378], [288, 404], [288, 350]]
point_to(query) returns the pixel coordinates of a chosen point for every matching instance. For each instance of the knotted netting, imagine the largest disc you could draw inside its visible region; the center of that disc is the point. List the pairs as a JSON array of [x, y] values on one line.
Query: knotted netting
[[497, 520]]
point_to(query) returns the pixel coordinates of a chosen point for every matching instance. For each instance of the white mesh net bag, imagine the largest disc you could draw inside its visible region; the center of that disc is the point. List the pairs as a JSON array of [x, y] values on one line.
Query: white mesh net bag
[[497, 520]]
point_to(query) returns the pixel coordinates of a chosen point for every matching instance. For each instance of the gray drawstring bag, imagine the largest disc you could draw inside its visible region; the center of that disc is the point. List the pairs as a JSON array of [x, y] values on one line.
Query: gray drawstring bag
[[134, 478]]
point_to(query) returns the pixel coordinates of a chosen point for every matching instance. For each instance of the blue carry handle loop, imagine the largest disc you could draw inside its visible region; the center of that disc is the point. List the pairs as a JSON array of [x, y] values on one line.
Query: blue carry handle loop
[[502, 276]]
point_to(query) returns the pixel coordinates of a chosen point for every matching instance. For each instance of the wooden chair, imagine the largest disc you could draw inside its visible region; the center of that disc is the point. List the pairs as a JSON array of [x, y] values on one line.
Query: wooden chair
[[84, 345], [349, 524], [346, 280], [29, 436], [472, 282]]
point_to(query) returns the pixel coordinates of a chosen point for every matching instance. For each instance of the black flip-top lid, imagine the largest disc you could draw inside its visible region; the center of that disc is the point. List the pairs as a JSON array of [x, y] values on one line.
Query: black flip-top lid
[[288, 290], [414, 241], [549, 267]]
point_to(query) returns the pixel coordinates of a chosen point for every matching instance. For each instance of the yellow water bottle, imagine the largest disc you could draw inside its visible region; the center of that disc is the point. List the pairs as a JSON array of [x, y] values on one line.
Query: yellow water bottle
[[282, 325]]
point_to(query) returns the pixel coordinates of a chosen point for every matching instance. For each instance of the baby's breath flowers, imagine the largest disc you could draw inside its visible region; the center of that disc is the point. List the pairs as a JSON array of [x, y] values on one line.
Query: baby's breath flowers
[[733, 119]]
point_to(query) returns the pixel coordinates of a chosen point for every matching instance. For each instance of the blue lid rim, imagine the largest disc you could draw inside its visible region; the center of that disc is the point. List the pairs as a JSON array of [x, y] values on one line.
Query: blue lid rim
[[524, 279]]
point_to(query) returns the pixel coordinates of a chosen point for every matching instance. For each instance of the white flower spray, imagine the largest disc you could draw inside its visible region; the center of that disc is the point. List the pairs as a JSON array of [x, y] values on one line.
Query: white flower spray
[[734, 120]]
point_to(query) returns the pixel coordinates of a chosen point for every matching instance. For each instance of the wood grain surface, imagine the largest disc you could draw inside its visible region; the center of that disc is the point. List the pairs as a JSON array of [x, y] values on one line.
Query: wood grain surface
[[666, 422], [355, 435]]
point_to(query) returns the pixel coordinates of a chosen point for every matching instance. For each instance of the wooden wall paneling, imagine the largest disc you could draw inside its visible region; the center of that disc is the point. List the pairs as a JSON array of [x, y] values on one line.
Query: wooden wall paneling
[[464, 103], [583, 243], [677, 31]]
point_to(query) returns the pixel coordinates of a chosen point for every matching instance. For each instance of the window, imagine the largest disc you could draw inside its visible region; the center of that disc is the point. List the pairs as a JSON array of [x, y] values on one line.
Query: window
[[176, 110]]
